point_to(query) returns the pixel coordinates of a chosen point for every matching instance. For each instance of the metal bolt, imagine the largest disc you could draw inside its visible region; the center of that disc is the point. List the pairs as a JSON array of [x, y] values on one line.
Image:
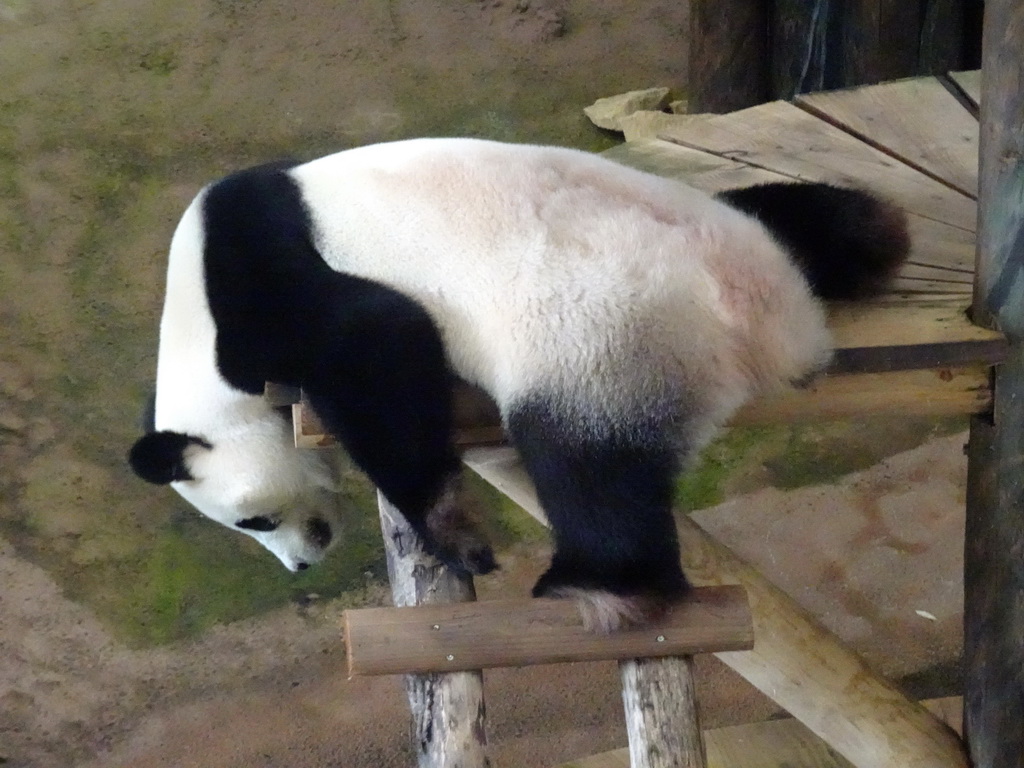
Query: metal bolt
[[437, 626], [451, 657], [661, 638]]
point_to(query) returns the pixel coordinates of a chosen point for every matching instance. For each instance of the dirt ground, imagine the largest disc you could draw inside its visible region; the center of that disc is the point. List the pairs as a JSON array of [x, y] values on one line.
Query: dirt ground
[[134, 633]]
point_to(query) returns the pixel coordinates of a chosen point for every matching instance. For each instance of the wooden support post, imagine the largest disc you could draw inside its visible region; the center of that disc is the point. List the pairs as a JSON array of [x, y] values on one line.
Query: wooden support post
[[662, 719], [447, 709], [994, 551], [728, 55]]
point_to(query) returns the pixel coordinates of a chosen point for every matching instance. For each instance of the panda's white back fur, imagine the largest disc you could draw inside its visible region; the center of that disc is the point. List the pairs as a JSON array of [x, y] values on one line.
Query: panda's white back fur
[[552, 269]]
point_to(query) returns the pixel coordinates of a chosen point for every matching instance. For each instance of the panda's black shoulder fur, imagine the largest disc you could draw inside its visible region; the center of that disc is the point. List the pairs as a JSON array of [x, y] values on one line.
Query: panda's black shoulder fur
[[846, 242], [370, 359]]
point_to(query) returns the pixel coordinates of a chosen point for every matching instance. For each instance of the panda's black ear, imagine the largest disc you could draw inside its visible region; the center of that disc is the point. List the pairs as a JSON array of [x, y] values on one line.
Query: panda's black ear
[[159, 457]]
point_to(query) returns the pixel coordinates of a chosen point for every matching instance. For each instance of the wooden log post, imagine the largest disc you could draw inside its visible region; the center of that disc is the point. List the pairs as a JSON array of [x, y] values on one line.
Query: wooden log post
[[662, 718], [447, 708], [994, 550]]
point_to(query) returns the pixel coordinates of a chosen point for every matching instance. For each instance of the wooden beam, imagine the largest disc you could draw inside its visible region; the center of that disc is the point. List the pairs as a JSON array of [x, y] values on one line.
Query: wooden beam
[[895, 355], [447, 709], [993, 575], [938, 392], [943, 39], [946, 391], [516, 633], [795, 661]]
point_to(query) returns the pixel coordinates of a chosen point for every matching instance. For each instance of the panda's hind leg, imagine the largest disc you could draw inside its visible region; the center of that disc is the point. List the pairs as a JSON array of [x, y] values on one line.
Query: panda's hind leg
[[608, 496]]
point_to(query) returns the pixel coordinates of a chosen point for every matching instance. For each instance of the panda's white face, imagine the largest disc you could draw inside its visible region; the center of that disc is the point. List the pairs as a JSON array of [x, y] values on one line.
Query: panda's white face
[[253, 480], [298, 529], [248, 476]]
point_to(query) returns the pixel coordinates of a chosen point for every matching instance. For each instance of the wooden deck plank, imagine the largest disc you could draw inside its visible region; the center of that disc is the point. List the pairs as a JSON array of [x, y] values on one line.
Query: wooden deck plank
[[917, 121], [522, 632], [784, 743], [783, 138], [917, 271], [703, 170], [893, 327], [933, 243], [940, 245], [970, 84], [911, 286], [929, 392]]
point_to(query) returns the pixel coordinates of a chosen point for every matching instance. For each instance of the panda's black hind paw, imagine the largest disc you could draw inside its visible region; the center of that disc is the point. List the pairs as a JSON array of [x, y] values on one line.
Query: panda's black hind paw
[[604, 609]]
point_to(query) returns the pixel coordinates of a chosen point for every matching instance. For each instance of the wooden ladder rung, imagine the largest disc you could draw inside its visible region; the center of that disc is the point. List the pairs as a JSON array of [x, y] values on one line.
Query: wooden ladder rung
[[516, 633]]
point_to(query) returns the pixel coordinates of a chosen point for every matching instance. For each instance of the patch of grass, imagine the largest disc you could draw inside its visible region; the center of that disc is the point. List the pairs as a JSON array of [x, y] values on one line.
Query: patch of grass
[[159, 61], [505, 521], [704, 485], [197, 575], [816, 454]]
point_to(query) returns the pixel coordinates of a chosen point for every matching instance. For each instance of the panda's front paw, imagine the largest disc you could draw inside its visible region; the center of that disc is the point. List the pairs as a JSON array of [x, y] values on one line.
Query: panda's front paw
[[454, 536]]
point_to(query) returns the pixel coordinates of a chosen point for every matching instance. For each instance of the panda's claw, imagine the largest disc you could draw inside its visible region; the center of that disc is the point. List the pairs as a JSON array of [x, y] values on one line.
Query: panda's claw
[[455, 538], [470, 555], [481, 560]]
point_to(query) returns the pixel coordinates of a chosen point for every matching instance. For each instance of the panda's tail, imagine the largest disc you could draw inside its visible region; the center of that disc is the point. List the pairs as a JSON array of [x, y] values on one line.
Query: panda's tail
[[847, 242]]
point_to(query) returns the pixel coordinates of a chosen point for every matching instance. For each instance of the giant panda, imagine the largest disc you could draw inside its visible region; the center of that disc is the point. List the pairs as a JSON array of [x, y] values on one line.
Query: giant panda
[[616, 318]]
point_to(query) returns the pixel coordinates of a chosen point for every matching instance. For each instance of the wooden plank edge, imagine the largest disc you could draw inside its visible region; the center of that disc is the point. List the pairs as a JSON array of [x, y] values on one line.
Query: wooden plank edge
[[524, 632], [783, 743], [959, 82], [852, 360]]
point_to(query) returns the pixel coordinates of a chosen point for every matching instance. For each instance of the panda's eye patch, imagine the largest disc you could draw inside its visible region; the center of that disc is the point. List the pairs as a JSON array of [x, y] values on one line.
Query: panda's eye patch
[[258, 523]]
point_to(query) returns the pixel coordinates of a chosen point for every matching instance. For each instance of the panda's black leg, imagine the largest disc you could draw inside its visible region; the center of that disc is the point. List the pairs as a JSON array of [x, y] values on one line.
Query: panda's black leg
[[415, 466], [608, 497], [385, 391]]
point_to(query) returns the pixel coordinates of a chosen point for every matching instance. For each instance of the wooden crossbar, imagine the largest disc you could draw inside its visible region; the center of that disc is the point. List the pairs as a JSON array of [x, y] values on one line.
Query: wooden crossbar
[[895, 354], [516, 633], [945, 391]]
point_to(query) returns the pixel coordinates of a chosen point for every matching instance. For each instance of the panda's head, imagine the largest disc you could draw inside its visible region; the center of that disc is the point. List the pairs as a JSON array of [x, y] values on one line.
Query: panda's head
[[251, 479]]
